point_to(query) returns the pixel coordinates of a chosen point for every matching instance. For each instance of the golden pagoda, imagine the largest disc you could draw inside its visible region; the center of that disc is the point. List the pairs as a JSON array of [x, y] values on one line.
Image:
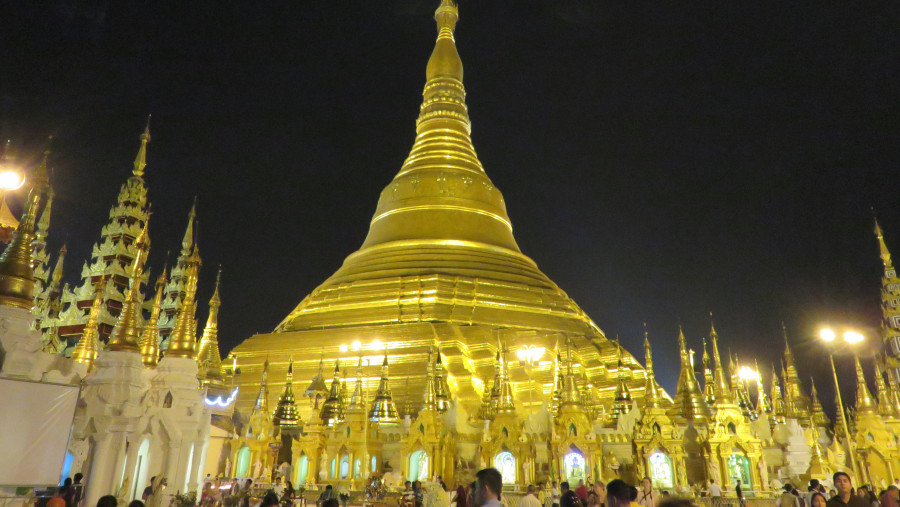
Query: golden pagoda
[[440, 266]]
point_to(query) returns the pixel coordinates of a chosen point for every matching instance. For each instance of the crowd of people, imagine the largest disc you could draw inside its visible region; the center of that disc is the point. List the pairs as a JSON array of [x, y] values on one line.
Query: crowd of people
[[487, 491]]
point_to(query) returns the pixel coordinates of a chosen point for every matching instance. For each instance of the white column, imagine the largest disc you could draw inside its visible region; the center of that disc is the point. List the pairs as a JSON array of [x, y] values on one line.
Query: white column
[[100, 480], [171, 472], [197, 462], [130, 461]]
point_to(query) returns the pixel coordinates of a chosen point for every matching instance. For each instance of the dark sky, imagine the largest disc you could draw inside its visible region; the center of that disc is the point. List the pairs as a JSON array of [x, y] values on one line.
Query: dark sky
[[660, 160]]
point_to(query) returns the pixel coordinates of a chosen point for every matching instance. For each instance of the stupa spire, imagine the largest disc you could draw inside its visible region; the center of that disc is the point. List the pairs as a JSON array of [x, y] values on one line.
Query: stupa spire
[[817, 412], [885, 406], [286, 415], [356, 401], [331, 408], [651, 392], [441, 387], [690, 403], [622, 401], [709, 384], [140, 161], [187, 242], [570, 394], [864, 402], [126, 334], [208, 356], [890, 306], [16, 272], [88, 347], [777, 399], [796, 403], [56, 275], [506, 404], [442, 181], [183, 341], [885, 253], [384, 411], [723, 391], [150, 334]]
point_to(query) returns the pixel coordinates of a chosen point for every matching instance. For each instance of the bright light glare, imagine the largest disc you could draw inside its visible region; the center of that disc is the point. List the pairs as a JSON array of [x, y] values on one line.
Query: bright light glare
[[827, 334], [377, 345], [530, 353], [853, 337], [357, 345], [344, 348], [746, 374], [11, 180]]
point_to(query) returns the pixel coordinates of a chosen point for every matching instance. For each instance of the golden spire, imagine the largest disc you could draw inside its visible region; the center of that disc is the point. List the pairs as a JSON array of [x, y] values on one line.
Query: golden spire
[[570, 394], [864, 402], [317, 388], [126, 335], [796, 403], [817, 413], [187, 243], [441, 387], [16, 272], [331, 407], [622, 401], [709, 384], [895, 396], [442, 181], [776, 397], [885, 406], [43, 225], [88, 347], [286, 415], [723, 392], [690, 403], [140, 162], [885, 253], [383, 409], [506, 404], [651, 396], [762, 401], [183, 341], [56, 276], [356, 401], [41, 175], [150, 334], [209, 357], [429, 401]]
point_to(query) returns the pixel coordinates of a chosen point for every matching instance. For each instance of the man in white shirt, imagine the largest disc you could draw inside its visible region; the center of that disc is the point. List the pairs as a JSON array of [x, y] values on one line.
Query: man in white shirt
[[529, 500], [715, 490]]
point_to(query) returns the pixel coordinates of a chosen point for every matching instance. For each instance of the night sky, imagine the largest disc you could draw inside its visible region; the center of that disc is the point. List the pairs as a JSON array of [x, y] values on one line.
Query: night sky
[[659, 160]]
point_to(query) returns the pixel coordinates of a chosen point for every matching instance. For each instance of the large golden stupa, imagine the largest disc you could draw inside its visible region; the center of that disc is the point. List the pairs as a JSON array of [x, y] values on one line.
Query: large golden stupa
[[440, 268]]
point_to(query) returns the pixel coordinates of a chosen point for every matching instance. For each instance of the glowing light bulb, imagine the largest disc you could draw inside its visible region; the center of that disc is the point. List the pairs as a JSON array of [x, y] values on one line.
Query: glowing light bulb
[[827, 334], [853, 337]]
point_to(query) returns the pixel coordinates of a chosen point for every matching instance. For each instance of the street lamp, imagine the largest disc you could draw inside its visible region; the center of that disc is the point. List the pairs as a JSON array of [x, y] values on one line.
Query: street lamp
[[10, 179], [850, 337]]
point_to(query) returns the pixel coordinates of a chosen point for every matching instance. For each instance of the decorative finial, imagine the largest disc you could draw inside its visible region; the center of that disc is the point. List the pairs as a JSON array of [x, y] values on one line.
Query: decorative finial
[[140, 162]]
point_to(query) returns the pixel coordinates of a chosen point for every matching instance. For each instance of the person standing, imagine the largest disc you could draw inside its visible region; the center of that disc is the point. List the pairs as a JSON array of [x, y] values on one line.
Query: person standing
[[556, 494], [715, 491], [845, 496], [568, 498], [787, 498], [647, 497], [581, 491], [488, 486], [618, 493], [739, 492], [529, 500]]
